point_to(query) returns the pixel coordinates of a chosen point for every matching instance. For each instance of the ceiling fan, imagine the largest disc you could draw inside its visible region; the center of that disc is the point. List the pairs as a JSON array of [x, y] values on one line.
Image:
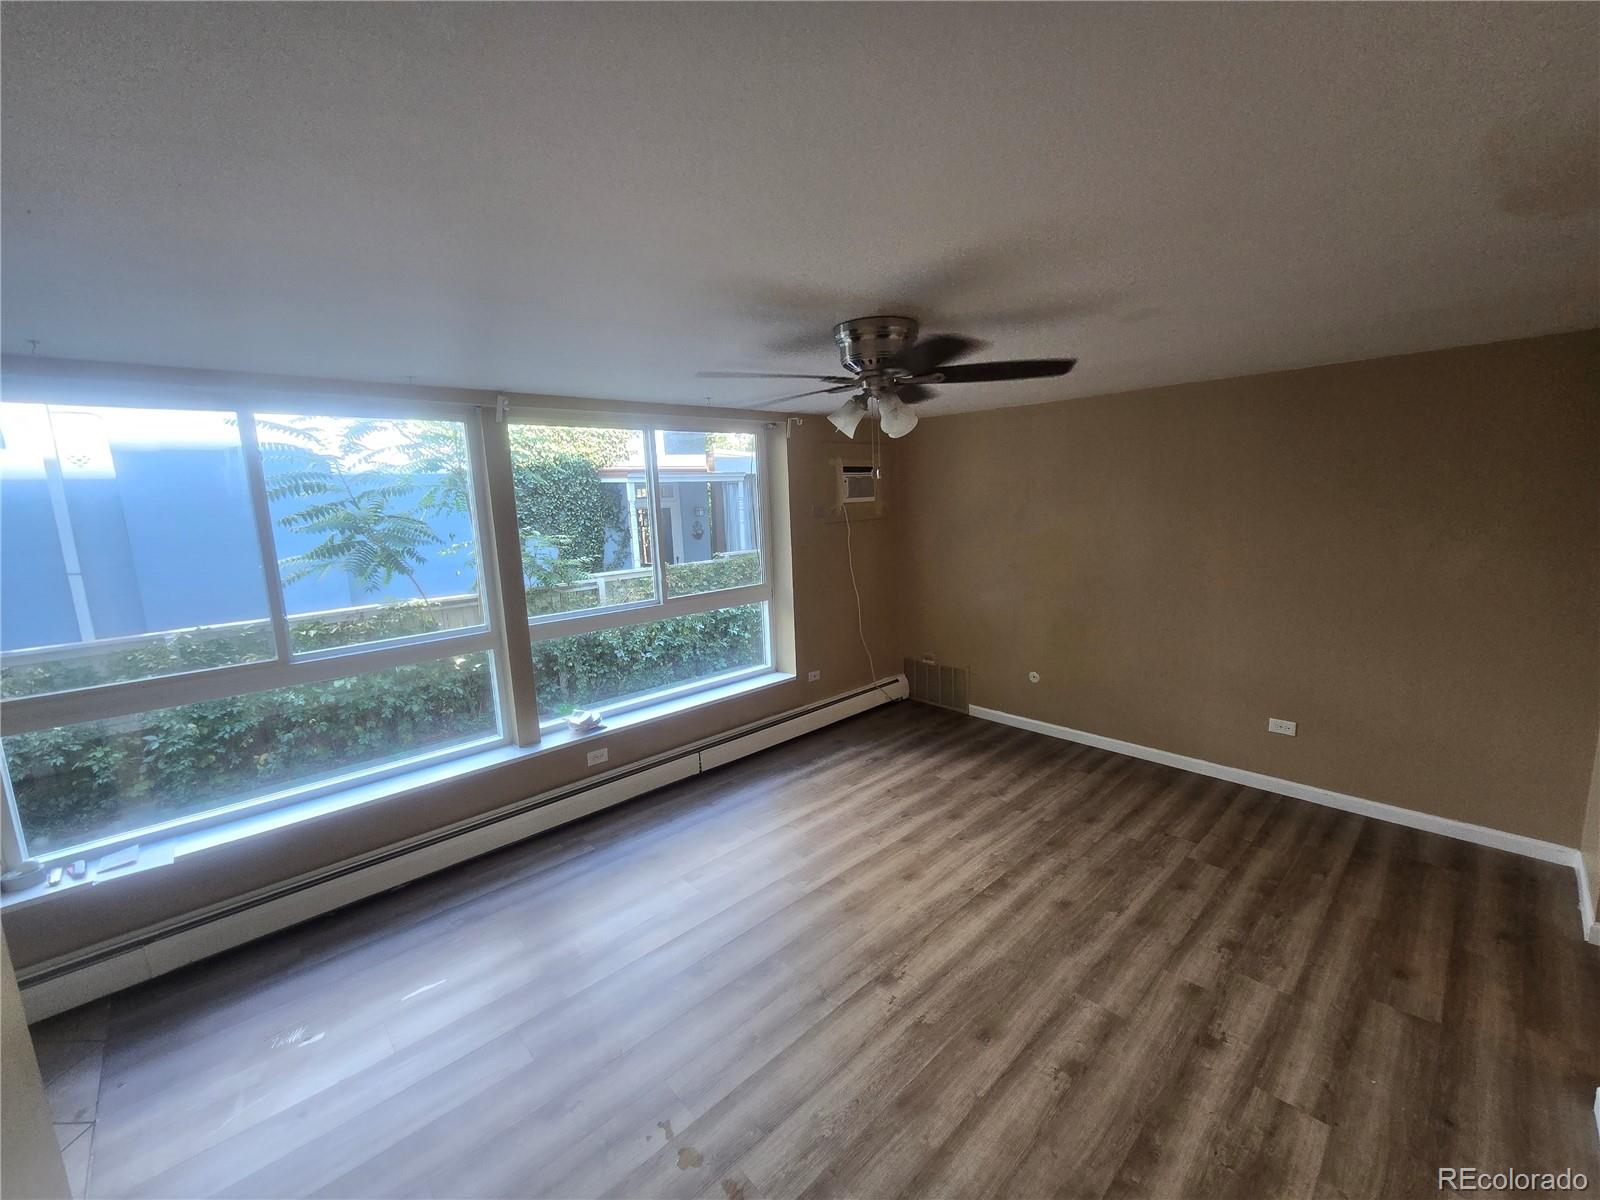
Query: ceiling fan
[[891, 368]]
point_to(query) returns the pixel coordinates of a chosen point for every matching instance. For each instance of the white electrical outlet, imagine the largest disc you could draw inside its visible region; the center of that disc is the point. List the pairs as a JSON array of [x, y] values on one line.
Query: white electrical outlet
[[813, 676], [1279, 725], [596, 757]]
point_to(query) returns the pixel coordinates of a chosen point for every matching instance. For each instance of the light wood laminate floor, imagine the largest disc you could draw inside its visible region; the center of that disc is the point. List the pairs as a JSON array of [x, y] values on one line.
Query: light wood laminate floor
[[914, 954]]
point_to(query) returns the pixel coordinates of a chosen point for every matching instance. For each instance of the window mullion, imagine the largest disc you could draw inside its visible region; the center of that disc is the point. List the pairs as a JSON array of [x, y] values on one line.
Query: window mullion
[[271, 576], [653, 485], [13, 842], [644, 614], [501, 543], [699, 602], [762, 526], [29, 714]]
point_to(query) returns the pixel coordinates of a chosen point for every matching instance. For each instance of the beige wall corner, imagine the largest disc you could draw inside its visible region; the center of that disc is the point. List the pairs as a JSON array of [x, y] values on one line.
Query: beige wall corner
[[1591, 845], [30, 1157], [1402, 555]]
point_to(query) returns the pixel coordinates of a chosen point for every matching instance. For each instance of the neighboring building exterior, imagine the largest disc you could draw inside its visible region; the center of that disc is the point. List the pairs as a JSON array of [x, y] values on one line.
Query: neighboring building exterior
[[121, 522]]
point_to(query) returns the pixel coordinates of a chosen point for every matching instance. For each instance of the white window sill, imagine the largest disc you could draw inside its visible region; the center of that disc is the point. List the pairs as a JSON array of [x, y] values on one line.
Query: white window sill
[[166, 849]]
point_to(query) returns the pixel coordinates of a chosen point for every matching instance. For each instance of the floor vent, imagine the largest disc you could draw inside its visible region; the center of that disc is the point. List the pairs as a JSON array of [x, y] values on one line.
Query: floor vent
[[935, 683]]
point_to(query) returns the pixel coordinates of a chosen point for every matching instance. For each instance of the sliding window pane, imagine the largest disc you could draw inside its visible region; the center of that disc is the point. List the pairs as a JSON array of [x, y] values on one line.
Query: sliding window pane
[[591, 670], [583, 513], [373, 525], [709, 515], [79, 783], [130, 547]]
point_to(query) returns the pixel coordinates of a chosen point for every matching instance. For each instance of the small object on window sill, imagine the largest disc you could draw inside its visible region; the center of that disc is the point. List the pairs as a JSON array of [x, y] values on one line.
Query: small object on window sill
[[125, 857], [23, 876], [78, 869], [584, 722], [55, 877]]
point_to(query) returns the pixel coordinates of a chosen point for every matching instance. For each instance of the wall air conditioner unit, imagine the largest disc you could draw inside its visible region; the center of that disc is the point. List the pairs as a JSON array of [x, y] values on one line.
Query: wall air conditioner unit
[[854, 488], [857, 484]]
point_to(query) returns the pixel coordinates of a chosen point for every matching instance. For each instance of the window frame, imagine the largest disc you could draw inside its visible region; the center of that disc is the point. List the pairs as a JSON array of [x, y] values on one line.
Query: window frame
[[288, 668], [277, 601], [681, 691], [664, 606], [507, 643]]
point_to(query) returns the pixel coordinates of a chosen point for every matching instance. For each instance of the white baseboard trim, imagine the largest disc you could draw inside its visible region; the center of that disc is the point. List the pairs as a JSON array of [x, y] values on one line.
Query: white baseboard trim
[[1591, 920], [1481, 835], [54, 987]]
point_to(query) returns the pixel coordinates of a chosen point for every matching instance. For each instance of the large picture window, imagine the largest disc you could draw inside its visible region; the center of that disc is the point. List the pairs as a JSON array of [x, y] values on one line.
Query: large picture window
[[631, 664], [208, 607], [372, 524], [79, 783], [129, 547], [643, 557]]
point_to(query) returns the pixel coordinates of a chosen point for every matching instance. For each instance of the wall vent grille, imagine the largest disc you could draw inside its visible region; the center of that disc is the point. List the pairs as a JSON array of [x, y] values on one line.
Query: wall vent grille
[[935, 683]]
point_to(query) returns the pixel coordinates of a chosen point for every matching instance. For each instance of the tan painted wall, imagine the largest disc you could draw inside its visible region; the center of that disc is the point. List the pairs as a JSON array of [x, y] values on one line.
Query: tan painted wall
[[1590, 843], [30, 1157], [1591, 835], [825, 639], [1403, 555]]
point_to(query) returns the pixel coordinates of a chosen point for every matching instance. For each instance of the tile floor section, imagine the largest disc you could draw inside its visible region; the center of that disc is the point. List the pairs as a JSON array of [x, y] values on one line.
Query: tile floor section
[[71, 1050]]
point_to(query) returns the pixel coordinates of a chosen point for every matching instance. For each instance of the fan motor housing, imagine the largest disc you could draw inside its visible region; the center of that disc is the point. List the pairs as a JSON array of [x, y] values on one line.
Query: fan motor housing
[[868, 344]]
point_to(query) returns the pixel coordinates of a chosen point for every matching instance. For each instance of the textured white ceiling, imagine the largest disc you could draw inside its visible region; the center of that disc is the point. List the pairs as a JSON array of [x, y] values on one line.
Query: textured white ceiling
[[602, 200]]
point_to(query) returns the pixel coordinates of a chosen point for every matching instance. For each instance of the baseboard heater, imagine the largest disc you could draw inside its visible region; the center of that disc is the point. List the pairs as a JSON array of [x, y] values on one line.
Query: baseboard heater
[[61, 984]]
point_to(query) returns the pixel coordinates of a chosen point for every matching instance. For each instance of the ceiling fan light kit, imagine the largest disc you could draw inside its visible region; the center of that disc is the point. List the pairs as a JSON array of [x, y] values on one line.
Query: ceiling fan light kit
[[895, 417], [889, 365], [848, 415]]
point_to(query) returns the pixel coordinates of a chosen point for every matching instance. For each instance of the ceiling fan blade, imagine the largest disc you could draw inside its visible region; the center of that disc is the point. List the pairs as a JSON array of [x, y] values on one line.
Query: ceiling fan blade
[[928, 353], [997, 372], [914, 393], [770, 375], [827, 391]]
